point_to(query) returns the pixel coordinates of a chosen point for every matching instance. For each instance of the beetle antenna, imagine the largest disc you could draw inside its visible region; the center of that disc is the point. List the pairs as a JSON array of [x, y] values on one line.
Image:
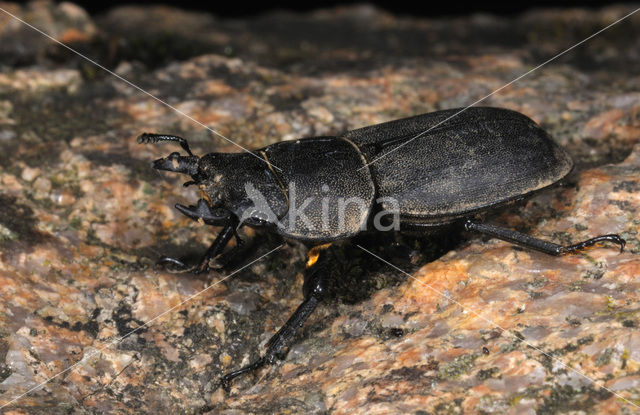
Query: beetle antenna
[[146, 138], [177, 163]]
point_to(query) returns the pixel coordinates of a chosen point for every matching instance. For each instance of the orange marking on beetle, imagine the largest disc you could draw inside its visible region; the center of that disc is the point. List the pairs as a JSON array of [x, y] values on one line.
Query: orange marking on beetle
[[314, 253], [206, 197]]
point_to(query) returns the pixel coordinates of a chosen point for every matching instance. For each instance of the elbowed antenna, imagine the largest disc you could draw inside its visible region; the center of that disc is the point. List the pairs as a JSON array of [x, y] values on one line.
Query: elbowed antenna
[[146, 138], [177, 163]]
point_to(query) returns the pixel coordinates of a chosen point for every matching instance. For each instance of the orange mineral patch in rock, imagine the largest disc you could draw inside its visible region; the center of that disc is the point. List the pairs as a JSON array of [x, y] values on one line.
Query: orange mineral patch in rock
[[602, 124], [431, 282], [72, 35]]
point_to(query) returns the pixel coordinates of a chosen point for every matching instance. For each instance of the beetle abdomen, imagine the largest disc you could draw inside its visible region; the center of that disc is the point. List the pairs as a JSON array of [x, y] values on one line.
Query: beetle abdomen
[[479, 158]]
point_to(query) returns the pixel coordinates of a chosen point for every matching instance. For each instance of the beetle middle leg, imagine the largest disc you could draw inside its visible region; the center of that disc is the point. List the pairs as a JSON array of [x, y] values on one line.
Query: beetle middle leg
[[314, 289], [538, 244]]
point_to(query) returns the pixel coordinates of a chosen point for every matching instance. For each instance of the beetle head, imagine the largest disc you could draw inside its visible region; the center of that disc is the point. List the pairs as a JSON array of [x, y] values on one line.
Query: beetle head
[[207, 173], [226, 177], [231, 181]]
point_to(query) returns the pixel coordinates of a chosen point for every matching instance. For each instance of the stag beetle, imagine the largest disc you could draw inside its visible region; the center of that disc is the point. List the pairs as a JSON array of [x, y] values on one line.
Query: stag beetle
[[442, 168]]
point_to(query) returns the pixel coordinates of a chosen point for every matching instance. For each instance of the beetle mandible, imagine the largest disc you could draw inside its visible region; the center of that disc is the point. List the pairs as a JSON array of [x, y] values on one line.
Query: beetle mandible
[[442, 170]]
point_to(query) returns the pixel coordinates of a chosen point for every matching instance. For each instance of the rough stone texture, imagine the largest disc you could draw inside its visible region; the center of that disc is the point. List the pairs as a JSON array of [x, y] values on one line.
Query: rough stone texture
[[84, 218]]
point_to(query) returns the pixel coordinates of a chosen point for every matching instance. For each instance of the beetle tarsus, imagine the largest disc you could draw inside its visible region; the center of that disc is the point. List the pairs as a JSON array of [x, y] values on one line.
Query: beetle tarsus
[[226, 380], [178, 266], [616, 239], [146, 138], [314, 290], [528, 241]]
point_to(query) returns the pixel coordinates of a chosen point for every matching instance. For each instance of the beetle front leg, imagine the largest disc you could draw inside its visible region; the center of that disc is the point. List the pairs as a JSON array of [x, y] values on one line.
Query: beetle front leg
[[203, 212], [314, 290], [216, 248], [538, 244]]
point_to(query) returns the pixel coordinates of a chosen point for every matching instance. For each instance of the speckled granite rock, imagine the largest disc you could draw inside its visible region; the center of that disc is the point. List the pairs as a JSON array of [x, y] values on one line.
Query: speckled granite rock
[[84, 218]]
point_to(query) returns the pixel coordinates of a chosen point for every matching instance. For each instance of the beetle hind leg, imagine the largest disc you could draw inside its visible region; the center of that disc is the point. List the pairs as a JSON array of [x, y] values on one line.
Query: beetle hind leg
[[539, 244]]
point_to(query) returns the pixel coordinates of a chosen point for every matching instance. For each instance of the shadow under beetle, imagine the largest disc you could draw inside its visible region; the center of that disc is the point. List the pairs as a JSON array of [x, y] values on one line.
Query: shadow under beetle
[[431, 177]]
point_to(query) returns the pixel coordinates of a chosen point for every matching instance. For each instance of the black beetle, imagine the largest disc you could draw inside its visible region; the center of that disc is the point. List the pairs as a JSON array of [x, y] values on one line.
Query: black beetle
[[412, 174]]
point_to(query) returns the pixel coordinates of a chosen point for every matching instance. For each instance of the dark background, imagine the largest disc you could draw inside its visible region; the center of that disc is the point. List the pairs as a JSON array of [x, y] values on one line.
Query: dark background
[[234, 8]]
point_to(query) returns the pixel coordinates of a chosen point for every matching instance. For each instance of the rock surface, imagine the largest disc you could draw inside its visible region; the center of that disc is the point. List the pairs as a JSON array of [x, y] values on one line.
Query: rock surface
[[486, 328]]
